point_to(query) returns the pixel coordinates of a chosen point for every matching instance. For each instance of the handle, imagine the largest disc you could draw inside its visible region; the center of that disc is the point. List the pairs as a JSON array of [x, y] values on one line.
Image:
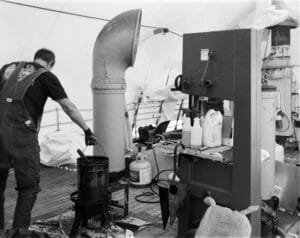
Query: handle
[[177, 83], [81, 154], [175, 158]]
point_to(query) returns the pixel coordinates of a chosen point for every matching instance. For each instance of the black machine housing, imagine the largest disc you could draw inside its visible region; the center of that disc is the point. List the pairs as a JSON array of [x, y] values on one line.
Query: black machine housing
[[223, 65]]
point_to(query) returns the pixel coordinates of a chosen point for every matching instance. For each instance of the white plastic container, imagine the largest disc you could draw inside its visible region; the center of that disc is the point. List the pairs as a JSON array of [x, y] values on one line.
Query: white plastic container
[[196, 134], [186, 131], [140, 170], [227, 131], [279, 153], [267, 181], [268, 118], [212, 128]]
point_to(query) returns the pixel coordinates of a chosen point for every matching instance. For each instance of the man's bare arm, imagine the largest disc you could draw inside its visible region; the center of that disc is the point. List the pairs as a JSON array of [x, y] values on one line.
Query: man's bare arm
[[71, 110]]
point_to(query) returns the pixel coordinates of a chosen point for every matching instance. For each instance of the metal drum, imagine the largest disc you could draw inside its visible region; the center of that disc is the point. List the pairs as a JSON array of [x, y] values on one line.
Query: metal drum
[[92, 176]]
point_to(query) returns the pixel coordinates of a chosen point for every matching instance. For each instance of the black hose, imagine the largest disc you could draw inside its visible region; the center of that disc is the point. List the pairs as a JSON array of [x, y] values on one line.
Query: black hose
[[153, 192]]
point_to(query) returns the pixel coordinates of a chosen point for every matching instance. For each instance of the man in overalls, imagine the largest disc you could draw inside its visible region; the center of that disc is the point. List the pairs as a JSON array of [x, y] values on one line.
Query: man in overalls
[[24, 89]]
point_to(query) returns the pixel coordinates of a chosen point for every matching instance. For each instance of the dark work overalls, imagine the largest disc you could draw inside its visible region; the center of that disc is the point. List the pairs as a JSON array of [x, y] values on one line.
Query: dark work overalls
[[19, 146]]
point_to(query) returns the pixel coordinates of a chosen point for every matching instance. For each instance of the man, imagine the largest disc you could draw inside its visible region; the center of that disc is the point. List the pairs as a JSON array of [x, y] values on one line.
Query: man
[[24, 89]]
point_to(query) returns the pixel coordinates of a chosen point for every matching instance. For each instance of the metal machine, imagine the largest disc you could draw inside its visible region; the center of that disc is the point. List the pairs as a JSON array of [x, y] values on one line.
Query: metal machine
[[277, 70], [217, 66]]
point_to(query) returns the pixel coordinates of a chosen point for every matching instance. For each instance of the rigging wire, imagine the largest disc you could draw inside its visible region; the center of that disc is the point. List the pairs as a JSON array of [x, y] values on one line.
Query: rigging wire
[[75, 14], [50, 33]]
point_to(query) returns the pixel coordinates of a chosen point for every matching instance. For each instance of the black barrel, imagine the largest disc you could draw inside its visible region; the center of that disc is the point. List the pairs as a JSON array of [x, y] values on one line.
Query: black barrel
[[92, 178]]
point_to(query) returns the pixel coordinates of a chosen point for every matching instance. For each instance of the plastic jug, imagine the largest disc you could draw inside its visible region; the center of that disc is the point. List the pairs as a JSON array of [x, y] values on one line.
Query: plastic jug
[[279, 153], [140, 170], [196, 134], [267, 175], [212, 128], [186, 131]]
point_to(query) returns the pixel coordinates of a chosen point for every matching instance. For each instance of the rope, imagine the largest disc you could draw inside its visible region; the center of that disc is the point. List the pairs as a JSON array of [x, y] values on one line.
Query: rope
[[76, 14]]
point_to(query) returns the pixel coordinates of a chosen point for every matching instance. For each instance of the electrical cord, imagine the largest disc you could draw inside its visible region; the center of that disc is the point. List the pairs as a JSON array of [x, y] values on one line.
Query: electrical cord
[[204, 72], [153, 192], [60, 222]]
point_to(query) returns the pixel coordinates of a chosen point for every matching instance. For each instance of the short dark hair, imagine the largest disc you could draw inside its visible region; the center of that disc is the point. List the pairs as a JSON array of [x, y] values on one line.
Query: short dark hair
[[46, 55]]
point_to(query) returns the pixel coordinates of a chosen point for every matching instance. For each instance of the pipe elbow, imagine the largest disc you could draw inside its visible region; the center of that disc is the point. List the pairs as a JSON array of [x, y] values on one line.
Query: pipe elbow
[[116, 46]]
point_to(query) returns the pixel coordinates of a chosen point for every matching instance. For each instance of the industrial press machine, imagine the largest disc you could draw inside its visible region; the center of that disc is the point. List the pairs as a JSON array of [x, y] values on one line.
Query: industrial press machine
[[217, 66]]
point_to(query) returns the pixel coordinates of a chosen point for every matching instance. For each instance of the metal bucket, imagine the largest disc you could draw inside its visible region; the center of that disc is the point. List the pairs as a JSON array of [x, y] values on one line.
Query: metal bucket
[[92, 179]]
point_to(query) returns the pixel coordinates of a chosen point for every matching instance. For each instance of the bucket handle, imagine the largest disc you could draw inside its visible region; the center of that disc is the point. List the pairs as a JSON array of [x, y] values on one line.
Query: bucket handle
[[100, 146]]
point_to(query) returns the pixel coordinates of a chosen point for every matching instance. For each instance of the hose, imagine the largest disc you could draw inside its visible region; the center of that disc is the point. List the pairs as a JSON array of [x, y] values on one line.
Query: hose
[[153, 192], [60, 222]]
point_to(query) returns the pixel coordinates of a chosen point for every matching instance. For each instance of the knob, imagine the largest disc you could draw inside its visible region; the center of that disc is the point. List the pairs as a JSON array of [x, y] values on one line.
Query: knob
[[208, 83]]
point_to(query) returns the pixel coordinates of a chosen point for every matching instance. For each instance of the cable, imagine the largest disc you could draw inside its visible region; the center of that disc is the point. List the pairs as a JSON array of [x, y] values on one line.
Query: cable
[[204, 72], [53, 10], [75, 14], [145, 194], [101, 148], [60, 222], [155, 159], [153, 192]]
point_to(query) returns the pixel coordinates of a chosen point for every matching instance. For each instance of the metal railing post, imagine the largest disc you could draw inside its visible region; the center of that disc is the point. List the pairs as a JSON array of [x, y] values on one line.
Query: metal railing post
[[57, 119]]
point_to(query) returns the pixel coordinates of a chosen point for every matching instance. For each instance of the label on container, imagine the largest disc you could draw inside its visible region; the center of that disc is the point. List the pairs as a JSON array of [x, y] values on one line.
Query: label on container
[[142, 176], [134, 176], [204, 54], [217, 135]]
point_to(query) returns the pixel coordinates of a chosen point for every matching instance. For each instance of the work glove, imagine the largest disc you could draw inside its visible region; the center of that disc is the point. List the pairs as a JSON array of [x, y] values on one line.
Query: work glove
[[90, 138]]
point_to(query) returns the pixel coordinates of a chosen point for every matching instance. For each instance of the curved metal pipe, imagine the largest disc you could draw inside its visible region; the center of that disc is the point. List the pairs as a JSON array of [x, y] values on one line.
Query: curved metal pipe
[[114, 51]]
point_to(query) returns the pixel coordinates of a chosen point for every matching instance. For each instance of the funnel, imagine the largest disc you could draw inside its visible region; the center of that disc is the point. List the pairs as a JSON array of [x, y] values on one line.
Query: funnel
[[163, 190]]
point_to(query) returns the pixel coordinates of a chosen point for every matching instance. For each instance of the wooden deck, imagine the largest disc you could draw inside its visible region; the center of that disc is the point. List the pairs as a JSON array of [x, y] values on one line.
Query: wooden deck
[[57, 185]]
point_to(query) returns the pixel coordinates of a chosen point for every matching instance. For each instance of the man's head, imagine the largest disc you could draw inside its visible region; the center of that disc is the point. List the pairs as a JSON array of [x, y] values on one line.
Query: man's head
[[45, 58]]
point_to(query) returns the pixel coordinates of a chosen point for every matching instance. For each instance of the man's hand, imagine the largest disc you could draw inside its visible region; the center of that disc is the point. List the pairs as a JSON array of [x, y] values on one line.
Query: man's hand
[[90, 138]]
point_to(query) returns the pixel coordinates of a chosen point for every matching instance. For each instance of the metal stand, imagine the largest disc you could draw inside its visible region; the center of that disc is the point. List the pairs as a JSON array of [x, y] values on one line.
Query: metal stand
[[87, 209]]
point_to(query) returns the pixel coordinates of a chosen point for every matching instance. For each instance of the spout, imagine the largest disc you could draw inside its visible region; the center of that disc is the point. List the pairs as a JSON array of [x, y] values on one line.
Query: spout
[[114, 51]]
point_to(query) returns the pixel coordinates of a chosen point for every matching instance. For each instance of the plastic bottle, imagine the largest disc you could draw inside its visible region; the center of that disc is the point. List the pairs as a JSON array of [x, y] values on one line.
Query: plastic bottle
[[279, 153], [140, 170], [267, 175], [196, 134], [228, 141], [212, 128], [186, 131]]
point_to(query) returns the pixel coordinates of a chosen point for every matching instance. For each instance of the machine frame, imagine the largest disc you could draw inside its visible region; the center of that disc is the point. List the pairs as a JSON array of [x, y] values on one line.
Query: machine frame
[[241, 185]]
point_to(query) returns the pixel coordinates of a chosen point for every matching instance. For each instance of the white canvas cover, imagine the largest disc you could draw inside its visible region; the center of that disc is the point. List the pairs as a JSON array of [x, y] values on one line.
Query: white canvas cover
[[25, 29], [159, 56]]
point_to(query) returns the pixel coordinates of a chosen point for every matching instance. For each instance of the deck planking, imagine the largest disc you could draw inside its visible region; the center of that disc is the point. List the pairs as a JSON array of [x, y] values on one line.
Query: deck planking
[[57, 185]]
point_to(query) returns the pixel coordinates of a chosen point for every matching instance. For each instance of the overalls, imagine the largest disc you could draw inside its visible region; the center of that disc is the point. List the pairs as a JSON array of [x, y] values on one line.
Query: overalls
[[19, 146]]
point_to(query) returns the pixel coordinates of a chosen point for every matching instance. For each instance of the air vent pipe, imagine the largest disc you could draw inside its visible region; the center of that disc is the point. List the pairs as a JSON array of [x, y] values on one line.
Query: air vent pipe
[[114, 51]]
